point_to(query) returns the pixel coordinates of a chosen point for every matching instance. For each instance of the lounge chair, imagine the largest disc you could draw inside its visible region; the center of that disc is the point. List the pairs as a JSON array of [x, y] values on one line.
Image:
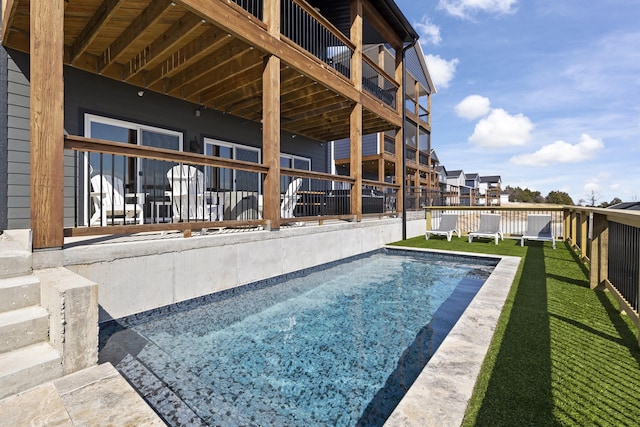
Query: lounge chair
[[489, 227], [539, 228], [110, 205], [290, 199], [190, 199], [448, 225]]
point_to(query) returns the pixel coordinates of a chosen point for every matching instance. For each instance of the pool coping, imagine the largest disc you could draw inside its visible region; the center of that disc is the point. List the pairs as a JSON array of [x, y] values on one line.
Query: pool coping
[[440, 394]]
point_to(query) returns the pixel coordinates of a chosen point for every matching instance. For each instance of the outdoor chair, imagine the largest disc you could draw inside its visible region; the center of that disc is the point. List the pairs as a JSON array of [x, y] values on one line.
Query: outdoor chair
[[448, 225], [190, 199], [110, 204], [489, 227], [539, 228], [290, 199]]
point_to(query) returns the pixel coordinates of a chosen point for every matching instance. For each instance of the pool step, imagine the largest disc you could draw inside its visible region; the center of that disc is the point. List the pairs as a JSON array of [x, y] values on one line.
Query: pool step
[[28, 367]]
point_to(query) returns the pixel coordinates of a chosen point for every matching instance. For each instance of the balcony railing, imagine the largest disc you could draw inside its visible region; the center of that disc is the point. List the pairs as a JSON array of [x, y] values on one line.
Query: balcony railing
[[378, 83], [254, 7], [124, 188], [308, 29]]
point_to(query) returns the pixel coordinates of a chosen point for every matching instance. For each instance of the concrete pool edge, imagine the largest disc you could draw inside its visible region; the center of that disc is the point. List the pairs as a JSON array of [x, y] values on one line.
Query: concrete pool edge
[[440, 394]]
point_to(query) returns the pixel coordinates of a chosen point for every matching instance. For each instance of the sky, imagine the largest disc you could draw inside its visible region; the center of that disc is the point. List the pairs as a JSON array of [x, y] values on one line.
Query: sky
[[544, 93]]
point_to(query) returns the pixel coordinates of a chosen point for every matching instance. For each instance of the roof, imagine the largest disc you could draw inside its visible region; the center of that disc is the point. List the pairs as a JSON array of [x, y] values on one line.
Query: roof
[[491, 178], [455, 172], [339, 13], [631, 206], [471, 176]]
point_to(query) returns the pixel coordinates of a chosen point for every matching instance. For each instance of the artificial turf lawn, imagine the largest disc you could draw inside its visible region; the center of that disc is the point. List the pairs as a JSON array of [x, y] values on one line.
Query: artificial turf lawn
[[562, 354]]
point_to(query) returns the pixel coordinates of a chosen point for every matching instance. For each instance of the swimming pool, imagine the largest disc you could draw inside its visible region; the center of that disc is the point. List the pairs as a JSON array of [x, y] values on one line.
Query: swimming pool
[[335, 345]]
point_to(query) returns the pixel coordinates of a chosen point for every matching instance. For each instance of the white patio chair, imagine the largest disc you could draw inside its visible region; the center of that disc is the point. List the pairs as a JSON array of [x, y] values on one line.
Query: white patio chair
[[489, 227], [448, 225], [290, 199], [110, 205], [190, 199], [539, 228]]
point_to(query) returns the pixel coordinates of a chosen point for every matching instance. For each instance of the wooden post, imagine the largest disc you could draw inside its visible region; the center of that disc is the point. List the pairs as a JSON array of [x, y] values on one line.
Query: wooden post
[[584, 237], [355, 136], [428, 216], [47, 123], [271, 121], [599, 260], [566, 226], [574, 228]]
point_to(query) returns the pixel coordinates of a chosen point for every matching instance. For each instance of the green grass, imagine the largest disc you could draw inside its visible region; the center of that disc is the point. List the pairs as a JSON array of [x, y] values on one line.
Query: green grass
[[562, 354]]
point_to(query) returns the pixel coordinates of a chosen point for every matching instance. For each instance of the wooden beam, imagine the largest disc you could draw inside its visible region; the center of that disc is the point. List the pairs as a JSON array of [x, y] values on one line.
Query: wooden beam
[[157, 50], [150, 16], [226, 17], [100, 18], [8, 13], [47, 123], [376, 20]]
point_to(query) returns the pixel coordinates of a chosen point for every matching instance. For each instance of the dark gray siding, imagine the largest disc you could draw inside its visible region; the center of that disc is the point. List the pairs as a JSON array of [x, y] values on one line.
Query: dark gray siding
[[412, 64], [3, 138], [342, 148], [18, 132], [89, 93]]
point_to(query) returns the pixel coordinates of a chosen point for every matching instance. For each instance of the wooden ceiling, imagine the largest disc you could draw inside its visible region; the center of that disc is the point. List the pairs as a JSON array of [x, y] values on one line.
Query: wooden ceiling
[[166, 47]]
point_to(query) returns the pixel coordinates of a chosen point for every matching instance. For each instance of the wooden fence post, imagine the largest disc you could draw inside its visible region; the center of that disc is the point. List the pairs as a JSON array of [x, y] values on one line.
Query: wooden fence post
[[599, 260]]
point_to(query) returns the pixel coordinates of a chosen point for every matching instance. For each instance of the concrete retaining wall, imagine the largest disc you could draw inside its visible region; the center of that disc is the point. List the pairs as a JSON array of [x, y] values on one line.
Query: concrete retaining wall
[[141, 275]]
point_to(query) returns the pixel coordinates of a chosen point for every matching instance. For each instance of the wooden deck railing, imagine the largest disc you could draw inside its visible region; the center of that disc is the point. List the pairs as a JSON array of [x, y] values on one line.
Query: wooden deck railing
[[151, 184], [607, 241]]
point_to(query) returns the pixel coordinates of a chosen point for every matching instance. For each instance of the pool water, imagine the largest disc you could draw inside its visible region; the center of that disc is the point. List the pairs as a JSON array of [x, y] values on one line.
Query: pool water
[[335, 346]]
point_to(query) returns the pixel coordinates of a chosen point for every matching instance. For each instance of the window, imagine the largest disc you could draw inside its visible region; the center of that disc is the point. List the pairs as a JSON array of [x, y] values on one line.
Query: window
[[222, 179], [138, 175], [293, 162]]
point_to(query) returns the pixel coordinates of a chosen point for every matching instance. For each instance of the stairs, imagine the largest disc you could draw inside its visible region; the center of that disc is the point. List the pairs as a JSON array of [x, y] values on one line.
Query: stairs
[[27, 359]]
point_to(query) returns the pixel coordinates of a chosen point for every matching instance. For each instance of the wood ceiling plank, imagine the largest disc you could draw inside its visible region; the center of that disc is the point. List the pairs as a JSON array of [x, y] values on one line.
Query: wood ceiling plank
[[157, 50], [175, 84], [230, 68], [103, 15], [195, 50], [150, 16]]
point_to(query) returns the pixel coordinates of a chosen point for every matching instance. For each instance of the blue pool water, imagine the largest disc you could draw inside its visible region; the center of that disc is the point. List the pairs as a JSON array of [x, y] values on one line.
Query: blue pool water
[[334, 346]]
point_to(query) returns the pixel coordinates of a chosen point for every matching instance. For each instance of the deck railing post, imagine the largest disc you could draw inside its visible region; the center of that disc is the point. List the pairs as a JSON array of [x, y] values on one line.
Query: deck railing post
[[584, 236], [599, 260]]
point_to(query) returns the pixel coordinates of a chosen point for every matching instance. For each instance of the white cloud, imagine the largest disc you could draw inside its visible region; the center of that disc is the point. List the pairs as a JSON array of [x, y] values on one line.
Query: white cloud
[[441, 70], [561, 152], [429, 32], [473, 107], [501, 129], [466, 8]]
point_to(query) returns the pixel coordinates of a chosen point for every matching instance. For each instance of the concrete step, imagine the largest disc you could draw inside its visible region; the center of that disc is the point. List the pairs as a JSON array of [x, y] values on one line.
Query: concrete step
[[23, 327], [19, 292], [14, 259], [28, 367]]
